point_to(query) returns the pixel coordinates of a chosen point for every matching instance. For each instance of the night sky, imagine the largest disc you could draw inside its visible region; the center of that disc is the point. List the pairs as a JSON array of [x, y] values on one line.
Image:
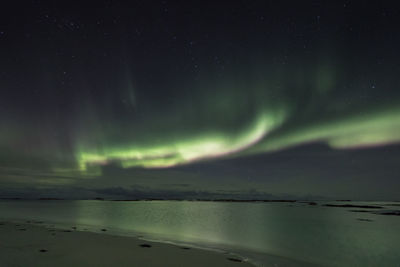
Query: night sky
[[184, 99]]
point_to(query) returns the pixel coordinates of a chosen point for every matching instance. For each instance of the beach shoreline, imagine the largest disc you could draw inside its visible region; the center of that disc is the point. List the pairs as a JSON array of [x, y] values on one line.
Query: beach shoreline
[[33, 243]]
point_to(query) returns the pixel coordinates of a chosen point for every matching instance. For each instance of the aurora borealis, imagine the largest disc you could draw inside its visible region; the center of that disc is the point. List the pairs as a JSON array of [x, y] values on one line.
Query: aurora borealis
[[150, 89]]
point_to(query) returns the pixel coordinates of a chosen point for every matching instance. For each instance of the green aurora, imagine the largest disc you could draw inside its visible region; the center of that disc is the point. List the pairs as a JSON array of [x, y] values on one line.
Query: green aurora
[[272, 125], [376, 128], [136, 95], [245, 116]]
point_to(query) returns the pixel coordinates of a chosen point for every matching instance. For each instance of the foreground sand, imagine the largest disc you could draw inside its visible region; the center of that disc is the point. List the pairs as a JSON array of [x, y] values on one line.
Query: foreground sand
[[35, 245]]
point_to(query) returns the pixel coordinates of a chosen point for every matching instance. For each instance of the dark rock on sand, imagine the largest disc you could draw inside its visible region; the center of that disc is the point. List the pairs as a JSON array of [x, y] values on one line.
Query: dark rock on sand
[[312, 203], [145, 245], [353, 206], [43, 250], [359, 211], [393, 213], [364, 220], [234, 259], [103, 230], [185, 248]]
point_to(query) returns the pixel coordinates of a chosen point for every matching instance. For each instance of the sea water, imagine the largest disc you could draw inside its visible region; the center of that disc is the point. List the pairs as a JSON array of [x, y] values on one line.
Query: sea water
[[268, 233]]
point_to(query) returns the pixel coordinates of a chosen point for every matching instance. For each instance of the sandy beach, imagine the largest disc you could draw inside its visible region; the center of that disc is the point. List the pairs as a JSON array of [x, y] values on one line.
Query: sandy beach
[[30, 244]]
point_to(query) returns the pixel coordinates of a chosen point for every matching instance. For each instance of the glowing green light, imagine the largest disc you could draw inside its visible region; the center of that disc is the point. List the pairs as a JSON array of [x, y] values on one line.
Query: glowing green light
[[379, 127], [210, 145]]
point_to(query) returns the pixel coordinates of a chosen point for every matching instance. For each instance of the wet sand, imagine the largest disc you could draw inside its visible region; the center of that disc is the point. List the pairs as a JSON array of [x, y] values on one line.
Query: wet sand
[[32, 244]]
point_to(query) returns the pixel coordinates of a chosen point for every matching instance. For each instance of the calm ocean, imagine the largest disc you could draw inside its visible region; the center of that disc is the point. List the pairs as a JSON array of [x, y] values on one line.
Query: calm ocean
[[267, 233]]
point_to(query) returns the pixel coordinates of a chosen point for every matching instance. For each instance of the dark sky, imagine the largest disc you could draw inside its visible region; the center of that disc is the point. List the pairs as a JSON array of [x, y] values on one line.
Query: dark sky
[[250, 99]]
